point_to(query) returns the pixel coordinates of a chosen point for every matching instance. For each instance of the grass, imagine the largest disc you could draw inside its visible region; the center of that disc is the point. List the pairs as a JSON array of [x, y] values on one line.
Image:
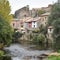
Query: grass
[[53, 58]]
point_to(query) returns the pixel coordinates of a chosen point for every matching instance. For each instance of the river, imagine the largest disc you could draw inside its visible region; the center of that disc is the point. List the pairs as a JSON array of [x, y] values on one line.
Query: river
[[19, 52]]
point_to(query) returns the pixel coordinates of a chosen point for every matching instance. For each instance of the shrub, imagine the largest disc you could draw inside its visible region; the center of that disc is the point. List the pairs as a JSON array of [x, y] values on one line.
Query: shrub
[[39, 39]]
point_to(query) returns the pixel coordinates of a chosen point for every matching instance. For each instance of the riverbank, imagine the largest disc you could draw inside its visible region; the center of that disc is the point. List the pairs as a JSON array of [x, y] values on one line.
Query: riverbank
[[32, 45]]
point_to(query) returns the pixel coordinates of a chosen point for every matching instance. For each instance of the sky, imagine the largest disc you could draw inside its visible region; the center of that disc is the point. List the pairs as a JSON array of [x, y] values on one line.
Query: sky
[[17, 4]]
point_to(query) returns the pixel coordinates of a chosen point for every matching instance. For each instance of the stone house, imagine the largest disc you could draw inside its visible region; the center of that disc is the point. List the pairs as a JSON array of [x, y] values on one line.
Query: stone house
[[50, 32], [48, 8], [26, 12], [32, 23], [15, 24], [44, 19], [23, 12], [18, 24], [29, 22]]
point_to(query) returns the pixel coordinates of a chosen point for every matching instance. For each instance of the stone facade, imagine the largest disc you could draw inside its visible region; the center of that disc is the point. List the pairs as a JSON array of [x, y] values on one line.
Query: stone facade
[[44, 18], [47, 9], [26, 12], [15, 24], [30, 22], [23, 12]]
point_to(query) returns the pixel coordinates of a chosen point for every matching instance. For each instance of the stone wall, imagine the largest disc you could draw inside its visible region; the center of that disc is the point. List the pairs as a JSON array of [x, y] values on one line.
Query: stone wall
[[26, 12], [23, 12]]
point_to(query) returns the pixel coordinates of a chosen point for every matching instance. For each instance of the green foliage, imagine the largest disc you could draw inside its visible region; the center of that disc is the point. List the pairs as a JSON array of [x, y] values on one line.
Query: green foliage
[[54, 20], [31, 36], [56, 25], [35, 40], [40, 12], [43, 29], [39, 39], [58, 51], [4, 56], [5, 19], [36, 31], [56, 33], [5, 10], [1, 53], [55, 14], [53, 57], [5, 32], [16, 36]]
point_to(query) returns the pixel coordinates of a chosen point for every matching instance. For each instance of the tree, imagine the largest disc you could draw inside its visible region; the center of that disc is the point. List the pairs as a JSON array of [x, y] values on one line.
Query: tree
[[56, 33], [5, 10], [5, 19], [16, 36], [54, 20], [5, 32], [39, 39], [4, 56], [55, 13]]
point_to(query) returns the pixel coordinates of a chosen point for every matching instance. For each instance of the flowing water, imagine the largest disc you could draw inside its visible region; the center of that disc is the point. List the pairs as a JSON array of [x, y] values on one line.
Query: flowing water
[[19, 52]]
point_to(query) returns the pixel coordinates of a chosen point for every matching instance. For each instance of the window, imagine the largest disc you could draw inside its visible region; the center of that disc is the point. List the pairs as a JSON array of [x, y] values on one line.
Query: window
[[34, 22], [13, 24], [50, 29], [34, 25], [21, 25]]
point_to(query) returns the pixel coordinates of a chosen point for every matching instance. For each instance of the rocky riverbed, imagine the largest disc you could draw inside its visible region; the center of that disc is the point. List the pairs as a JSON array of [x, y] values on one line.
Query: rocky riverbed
[[19, 52]]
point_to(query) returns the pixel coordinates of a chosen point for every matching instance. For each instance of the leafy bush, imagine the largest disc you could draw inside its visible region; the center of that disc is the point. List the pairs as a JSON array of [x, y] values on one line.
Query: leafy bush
[[1, 53], [5, 32], [58, 51], [39, 39], [6, 58], [3, 56], [54, 20], [16, 36], [36, 31]]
